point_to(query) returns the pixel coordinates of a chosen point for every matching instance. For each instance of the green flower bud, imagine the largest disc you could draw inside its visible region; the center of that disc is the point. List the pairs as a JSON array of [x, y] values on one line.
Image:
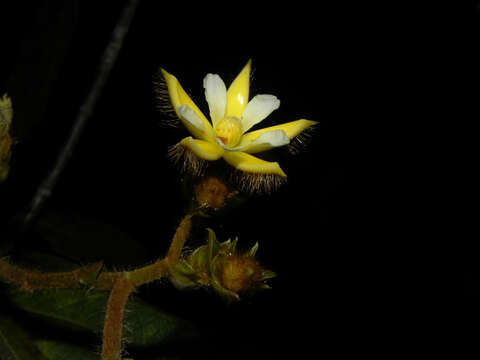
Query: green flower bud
[[222, 267]]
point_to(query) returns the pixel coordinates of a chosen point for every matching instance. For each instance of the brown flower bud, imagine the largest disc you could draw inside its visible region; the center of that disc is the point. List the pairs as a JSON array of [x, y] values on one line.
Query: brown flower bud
[[239, 273], [212, 193]]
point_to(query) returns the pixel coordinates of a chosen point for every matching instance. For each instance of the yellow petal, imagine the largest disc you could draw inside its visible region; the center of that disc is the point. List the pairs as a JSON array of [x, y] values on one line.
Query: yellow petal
[[237, 94], [203, 149], [292, 129], [179, 97], [191, 121], [249, 163]]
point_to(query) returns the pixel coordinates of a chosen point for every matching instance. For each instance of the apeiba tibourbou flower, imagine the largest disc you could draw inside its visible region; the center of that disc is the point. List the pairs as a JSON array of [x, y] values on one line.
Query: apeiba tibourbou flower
[[229, 136]]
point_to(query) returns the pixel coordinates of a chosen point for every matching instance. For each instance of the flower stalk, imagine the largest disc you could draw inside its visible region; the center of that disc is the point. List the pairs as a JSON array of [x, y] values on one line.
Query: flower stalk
[[122, 284], [113, 328], [179, 239]]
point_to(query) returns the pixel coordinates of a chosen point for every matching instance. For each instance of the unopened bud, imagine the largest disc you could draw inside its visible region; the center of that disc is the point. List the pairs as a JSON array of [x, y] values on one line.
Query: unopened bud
[[238, 273], [212, 193], [221, 266]]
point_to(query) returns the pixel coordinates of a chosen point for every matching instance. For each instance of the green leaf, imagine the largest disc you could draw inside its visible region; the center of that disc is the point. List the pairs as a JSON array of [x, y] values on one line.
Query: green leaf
[[218, 262], [143, 324], [86, 240], [229, 245], [199, 259], [77, 309], [213, 243], [226, 294], [233, 246], [213, 246], [146, 325], [268, 274], [15, 342], [182, 275], [253, 250], [53, 350]]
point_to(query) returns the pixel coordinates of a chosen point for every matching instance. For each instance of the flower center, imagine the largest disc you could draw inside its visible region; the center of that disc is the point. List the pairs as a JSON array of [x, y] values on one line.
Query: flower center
[[229, 131]]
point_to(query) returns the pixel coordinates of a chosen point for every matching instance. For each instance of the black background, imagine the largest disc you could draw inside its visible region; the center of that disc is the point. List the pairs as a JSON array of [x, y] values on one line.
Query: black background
[[326, 62]]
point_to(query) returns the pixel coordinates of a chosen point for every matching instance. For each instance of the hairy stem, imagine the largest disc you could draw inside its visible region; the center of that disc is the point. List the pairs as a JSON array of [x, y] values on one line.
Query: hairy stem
[[30, 280], [92, 275], [179, 239], [149, 273], [112, 330]]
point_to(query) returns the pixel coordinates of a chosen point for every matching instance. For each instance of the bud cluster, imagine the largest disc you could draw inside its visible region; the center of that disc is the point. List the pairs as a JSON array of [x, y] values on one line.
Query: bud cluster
[[222, 267]]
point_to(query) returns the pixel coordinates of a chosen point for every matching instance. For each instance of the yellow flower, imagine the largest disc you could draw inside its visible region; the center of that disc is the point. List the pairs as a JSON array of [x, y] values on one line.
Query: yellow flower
[[232, 115]]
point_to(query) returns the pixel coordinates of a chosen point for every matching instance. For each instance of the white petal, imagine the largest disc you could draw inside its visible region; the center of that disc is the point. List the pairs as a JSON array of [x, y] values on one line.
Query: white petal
[[267, 141], [216, 95], [190, 117], [274, 138], [258, 109]]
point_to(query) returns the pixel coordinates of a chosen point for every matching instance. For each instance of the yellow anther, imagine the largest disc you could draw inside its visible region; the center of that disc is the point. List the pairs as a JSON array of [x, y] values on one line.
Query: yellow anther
[[229, 131]]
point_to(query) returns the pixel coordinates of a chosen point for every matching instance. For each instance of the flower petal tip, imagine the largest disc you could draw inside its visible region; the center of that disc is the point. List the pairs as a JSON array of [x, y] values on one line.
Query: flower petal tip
[[186, 160], [304, 133], [163, 100]]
